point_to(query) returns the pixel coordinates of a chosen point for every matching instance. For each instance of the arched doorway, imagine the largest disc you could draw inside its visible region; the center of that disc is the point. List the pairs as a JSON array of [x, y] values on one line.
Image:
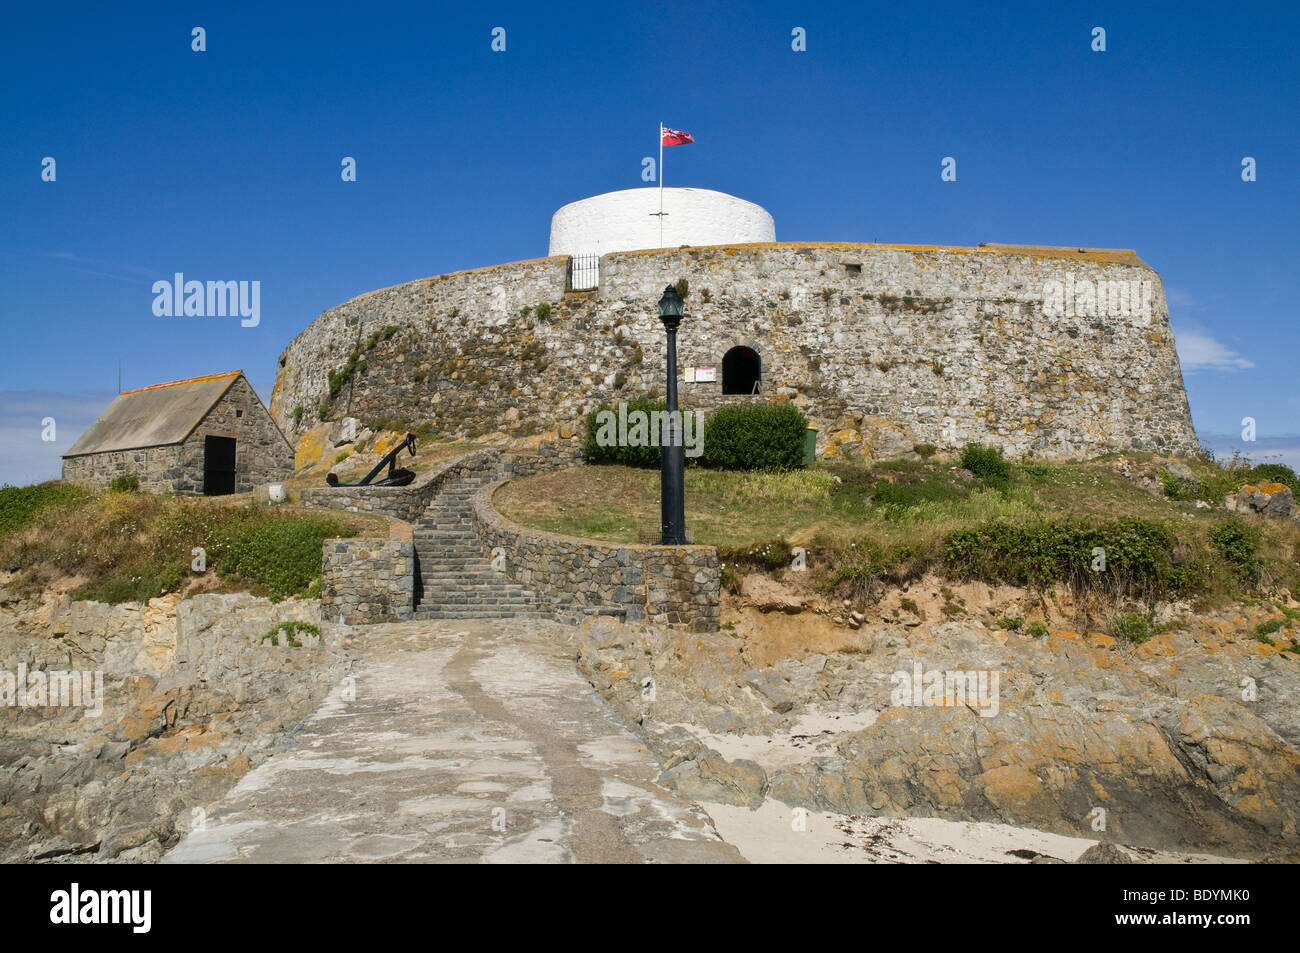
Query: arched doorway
[[741, 371]]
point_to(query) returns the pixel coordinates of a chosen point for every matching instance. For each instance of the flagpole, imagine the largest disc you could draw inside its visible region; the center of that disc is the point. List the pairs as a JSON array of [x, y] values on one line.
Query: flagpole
[[661, 185]]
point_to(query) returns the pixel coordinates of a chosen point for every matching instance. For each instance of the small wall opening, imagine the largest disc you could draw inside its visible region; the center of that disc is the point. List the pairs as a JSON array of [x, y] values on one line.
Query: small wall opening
[[218, 466], [741, 371]]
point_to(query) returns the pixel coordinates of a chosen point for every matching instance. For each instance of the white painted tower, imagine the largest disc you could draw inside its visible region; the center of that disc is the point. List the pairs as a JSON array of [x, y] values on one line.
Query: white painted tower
[[628, 220]]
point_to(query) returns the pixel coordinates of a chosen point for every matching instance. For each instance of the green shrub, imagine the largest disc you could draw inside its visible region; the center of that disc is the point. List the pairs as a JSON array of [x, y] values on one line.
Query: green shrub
[[1238, 544], [1269, 626], [649, 456], [1139, 555], [20, 504], [136, 585], [755, 437], [1173, 486], [683, 288], [389, 331], [1012, 622], [1131, 626], [282, 554], [1036, 629], [903, 495], [925, 450], [297, 415], [339, 379], [544, 311], [289, 629], [1274, 473], [125, 483], [987, 463]]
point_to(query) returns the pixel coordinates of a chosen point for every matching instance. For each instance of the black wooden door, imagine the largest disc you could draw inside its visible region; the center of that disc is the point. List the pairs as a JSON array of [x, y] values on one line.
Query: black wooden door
[[218, 466]]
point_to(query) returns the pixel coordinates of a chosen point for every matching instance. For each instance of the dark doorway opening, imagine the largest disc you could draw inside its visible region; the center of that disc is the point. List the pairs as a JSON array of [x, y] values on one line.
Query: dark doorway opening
[[218, 466], [741, 371]]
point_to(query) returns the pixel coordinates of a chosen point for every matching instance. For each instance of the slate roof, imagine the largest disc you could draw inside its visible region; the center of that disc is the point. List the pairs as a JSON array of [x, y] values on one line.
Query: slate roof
[[154, 416]]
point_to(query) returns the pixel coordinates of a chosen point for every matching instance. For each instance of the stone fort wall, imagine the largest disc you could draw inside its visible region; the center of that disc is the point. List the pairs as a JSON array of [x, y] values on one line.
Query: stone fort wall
[[884, 347]]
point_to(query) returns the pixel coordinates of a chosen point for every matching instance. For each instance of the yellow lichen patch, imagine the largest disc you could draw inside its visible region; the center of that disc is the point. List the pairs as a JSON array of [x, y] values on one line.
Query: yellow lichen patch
[[386, 441], [1011, 786], [311, 446]]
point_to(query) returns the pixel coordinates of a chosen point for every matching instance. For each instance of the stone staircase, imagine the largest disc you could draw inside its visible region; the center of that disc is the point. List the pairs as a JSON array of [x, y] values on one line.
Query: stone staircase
[[453, 579]]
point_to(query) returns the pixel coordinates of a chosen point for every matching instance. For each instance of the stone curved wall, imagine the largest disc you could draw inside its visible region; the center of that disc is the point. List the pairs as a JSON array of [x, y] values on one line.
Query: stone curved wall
[[670, 585], [884, 347], [628, 220]]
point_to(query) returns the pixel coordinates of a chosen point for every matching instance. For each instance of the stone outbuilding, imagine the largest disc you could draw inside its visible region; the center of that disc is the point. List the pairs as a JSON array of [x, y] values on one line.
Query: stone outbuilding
[[202, 436]]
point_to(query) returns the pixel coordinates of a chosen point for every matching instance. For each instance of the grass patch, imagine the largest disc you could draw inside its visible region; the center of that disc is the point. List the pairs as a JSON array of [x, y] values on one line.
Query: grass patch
[[287, 632], [136, 546], [1131, 627], [1269, 626], [988, 464], [20, 505]]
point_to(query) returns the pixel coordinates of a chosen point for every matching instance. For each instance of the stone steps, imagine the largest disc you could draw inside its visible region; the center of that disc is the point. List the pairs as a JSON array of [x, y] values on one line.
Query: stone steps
[[454, 579]]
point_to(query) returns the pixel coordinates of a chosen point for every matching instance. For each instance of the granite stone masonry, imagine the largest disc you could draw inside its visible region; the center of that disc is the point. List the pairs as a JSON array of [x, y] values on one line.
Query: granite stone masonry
[[884, 347], [679, 586], [364, 581], [450, 554], [262, 454]]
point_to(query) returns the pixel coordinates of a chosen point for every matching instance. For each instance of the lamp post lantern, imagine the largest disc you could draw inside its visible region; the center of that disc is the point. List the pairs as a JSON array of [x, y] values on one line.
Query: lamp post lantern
[[672, 466]]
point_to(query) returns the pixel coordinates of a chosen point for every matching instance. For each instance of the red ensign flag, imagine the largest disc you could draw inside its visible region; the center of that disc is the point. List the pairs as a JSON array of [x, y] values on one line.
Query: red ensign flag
[[671, 137]]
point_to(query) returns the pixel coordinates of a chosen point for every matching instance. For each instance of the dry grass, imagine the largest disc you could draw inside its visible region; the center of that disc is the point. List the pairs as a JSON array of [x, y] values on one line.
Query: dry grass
[[115, 545]]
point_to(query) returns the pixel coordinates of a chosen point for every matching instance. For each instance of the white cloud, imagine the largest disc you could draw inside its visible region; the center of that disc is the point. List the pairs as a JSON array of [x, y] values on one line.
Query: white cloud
[[24, 456], [1181, 300], [1197, 351]]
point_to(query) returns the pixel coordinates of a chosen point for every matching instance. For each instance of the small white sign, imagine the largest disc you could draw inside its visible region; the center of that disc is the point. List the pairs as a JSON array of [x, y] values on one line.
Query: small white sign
[[707, 374]]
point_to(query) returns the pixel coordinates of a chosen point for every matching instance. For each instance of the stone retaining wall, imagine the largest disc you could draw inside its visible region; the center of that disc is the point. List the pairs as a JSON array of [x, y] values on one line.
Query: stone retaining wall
[[678, 586], [368, 580]]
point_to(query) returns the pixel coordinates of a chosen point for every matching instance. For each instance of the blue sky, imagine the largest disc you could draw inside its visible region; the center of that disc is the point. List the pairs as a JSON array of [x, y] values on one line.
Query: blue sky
[[225, 164]]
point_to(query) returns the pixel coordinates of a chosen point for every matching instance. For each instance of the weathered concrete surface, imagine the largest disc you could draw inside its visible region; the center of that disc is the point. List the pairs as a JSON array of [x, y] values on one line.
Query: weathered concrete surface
[[446, 732]]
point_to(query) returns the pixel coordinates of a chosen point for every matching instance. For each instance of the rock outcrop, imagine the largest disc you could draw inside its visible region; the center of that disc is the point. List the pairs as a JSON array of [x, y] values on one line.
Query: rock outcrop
[[1186, 742], [192, 697]]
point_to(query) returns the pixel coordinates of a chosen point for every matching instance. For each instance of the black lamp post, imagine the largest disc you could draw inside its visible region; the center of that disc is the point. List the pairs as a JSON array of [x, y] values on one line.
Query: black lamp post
[[672, 467]]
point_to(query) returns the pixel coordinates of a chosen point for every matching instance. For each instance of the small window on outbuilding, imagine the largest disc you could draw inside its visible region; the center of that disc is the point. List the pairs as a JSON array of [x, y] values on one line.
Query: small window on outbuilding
[[741, 371]]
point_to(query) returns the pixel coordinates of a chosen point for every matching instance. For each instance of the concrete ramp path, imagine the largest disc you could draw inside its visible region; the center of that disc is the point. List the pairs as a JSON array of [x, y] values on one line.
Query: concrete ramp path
[[458, 741]]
